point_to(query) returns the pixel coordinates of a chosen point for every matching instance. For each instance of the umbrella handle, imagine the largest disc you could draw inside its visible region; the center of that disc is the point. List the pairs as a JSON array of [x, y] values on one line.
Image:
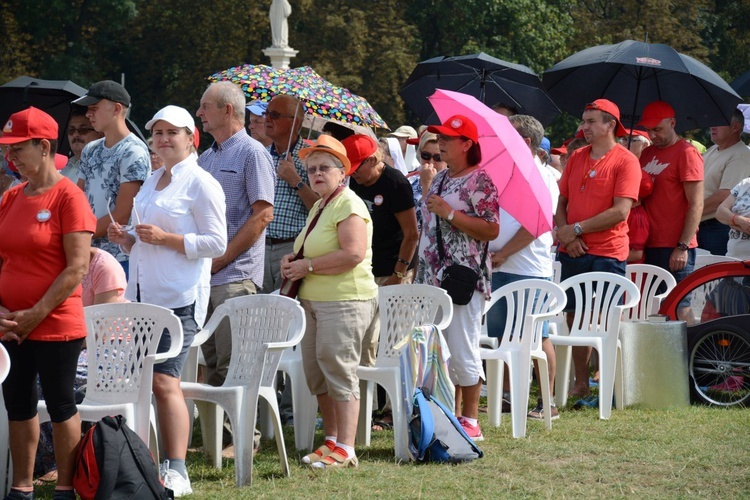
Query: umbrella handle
[[291, 132]]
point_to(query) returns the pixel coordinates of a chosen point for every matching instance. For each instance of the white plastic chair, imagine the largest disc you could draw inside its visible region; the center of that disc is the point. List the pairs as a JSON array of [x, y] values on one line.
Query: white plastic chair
[[121, 344], [402, 307], [262, 327], [304, 403], [596, 323], [4, 435], [648, 279], [529, 303]]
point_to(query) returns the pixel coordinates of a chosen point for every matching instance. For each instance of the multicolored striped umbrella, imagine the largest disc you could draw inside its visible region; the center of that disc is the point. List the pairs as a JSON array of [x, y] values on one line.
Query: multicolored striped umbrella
[[319, 96]]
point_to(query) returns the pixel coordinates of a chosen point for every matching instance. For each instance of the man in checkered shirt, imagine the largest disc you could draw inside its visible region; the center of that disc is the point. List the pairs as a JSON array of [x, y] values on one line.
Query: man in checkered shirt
[[293, 195], [243, 168]]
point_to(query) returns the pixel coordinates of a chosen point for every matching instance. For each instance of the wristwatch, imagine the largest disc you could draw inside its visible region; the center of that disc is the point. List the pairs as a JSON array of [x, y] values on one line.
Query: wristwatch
[[577, 229], [309, 266], [450, 216], [299, 185], [683, 246], [399, 275]]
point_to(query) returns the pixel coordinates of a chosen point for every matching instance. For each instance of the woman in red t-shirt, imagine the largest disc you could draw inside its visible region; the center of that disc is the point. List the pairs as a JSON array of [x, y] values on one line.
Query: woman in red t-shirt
[[41, 314]]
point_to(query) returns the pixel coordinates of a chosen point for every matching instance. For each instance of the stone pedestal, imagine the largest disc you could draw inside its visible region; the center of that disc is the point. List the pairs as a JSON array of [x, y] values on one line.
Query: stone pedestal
[[280, 56]]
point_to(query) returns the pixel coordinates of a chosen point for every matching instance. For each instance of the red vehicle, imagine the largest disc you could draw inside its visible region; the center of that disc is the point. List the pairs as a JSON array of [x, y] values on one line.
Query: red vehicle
[[718, 332]]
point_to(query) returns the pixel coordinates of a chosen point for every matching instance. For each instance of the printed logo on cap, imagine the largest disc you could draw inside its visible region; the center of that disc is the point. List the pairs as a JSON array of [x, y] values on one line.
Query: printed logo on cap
[[456, 123], [8, 127]]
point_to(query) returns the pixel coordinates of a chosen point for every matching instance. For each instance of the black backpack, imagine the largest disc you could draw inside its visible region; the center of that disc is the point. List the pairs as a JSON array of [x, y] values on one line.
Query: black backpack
[[114, 463]]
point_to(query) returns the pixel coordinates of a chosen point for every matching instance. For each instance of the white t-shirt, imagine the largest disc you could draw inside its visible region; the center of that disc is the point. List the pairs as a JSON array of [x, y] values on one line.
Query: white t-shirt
[[724, 169], [739, 242], [535, 259]]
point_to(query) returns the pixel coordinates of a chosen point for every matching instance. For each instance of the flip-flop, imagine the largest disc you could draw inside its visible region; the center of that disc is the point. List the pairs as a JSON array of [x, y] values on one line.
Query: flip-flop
[[589, 402]]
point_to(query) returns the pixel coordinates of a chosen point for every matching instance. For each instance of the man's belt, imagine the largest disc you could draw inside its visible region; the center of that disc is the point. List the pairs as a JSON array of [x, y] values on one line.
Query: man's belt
[[278, 241]]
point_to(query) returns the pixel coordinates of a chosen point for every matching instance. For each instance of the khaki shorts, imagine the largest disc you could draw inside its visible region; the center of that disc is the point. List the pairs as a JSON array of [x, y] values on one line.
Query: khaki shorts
[[332, 345]]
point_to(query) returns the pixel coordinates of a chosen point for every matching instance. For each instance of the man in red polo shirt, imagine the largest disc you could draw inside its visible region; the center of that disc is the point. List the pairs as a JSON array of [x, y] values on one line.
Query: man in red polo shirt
[[597, 189], [676, 204]]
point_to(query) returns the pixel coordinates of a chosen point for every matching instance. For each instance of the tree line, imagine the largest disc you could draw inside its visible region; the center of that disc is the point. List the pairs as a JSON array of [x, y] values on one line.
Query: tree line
[[166, 49]]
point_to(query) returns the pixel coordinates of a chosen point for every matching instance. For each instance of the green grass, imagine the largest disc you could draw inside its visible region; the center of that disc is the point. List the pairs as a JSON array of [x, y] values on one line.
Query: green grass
[[692, 452]]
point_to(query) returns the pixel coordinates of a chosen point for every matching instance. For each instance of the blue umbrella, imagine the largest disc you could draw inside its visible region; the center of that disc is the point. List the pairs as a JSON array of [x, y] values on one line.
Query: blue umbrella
[[633, 74]]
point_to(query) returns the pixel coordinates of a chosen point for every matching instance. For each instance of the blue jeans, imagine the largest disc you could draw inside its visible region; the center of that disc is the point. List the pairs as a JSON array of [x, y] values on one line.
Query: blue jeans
[[713, 236], [587, 263], [497, 315], [173, 366]]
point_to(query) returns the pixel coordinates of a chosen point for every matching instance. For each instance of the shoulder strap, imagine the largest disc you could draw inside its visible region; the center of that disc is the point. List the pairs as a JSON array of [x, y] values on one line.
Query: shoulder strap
[[314, 221]]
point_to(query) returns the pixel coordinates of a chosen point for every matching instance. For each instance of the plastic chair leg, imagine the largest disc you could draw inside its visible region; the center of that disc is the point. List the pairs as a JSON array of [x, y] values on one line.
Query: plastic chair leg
[[269, 395], [563, 354], [212, 424], [544, 387], [520, 377], [495, 379], [607, 369], [305, 410], [364, 424], [619, 394]]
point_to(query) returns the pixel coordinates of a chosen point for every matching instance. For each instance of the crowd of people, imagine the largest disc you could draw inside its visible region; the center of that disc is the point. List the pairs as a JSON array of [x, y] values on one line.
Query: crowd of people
[[343, 214]]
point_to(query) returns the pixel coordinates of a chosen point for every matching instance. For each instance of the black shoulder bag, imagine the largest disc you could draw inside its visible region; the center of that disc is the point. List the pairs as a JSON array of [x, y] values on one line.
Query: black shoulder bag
[[459, 281]]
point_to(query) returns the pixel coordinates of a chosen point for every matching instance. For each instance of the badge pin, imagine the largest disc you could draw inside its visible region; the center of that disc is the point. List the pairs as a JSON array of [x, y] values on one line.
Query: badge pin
[[43, 215]]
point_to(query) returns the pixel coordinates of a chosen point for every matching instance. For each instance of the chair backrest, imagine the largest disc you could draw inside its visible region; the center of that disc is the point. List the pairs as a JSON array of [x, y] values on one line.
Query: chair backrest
[[600, 300], [257, 323], [556, 271], [121, 349], [648, 279], [529, 303], [4, 364], [403, 307]]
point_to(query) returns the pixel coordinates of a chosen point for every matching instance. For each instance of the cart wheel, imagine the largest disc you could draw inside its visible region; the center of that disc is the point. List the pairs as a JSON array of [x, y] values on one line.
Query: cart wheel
[[720, 367]]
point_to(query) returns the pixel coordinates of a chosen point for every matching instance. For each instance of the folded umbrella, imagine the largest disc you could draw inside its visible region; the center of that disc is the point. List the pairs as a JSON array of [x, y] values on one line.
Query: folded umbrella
[[506, 158], [633, 74], [491, 80]]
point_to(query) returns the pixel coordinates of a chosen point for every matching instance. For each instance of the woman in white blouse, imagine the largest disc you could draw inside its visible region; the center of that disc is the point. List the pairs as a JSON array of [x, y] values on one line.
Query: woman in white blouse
[[180, 224]]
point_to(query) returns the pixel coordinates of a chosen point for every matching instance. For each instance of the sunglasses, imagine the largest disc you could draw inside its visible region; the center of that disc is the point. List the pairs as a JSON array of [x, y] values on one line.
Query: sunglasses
[[80, 130], [427, 156], [275, 115], [323, 169]]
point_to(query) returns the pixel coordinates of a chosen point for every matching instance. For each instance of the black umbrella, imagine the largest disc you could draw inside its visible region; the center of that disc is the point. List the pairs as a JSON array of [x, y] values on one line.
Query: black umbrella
[[633, 74], [491, 80], [51, 96], [741, 84]]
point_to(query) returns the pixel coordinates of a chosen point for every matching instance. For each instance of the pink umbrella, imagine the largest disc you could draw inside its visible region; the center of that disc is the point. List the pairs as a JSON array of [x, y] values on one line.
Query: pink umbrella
[[506, 158]]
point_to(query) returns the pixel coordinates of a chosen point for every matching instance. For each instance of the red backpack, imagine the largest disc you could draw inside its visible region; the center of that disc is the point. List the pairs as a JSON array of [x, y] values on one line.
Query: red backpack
[[114, 463]]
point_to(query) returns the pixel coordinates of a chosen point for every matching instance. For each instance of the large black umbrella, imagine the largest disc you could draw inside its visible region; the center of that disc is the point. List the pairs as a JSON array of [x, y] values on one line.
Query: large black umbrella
[[741, 84], [633, 74], [51, 96], [490, 80]]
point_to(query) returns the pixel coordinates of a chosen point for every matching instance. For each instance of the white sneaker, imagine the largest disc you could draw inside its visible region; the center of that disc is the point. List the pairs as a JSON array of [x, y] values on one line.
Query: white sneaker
[[174, 480]]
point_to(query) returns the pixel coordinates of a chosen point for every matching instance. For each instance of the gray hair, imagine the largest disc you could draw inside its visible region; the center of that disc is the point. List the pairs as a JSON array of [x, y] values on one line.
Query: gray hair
[[528, 126], [229, 93], [335, 159]]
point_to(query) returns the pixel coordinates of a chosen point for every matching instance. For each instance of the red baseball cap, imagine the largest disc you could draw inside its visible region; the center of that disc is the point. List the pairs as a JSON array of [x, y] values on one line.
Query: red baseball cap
[[654, 113], [562, 150], [608, 106], [359, 147], [457, 126], [31, 123]]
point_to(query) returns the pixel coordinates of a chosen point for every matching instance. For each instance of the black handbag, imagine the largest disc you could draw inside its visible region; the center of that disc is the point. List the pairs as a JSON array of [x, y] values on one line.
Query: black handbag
[[459, 281]]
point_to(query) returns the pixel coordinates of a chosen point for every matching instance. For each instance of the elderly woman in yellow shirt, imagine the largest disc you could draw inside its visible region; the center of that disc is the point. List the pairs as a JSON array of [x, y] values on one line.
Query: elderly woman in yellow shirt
[[339, 295]]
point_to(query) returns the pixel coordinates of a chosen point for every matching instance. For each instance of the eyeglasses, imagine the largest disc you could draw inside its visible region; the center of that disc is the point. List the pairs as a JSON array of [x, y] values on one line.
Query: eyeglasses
[[275, 115], [80, 130], [427, 156], [323, 169]]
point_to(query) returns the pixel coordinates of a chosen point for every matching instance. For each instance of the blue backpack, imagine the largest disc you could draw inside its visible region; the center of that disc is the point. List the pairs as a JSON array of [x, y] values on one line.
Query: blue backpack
[[435, 434]]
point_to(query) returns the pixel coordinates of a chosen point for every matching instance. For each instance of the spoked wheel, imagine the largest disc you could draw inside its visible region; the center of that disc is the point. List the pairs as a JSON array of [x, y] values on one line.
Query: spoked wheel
[[720, 367]]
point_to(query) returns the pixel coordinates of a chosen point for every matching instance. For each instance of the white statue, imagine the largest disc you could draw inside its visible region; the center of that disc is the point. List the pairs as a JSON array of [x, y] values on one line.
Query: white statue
[[280, 10]]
